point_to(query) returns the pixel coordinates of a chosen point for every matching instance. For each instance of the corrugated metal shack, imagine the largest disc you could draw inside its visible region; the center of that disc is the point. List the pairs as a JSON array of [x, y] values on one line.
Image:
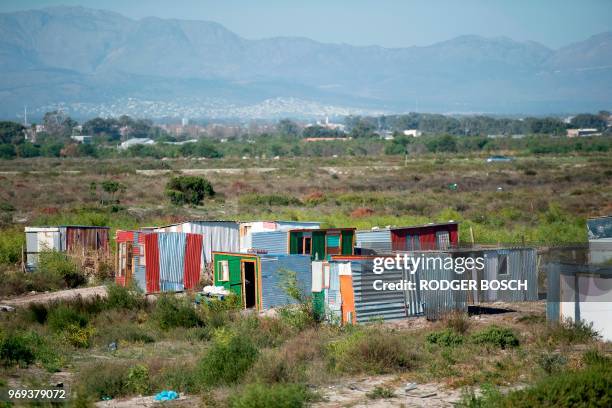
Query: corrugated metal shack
[[411, 238], [247, 229], [347, 293], [158, 261], [218, 235], [580, 293], [89, 243], [318, 243], [258, 279], [501, 264]]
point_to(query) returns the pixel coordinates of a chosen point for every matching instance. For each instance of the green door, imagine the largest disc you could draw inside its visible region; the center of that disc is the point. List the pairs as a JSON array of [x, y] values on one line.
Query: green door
[[295, 242], [318, 245], [347, 242]]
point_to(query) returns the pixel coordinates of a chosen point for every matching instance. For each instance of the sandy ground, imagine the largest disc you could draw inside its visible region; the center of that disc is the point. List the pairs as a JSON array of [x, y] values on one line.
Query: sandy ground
[[46, 297], [203, 172], [181, 401]]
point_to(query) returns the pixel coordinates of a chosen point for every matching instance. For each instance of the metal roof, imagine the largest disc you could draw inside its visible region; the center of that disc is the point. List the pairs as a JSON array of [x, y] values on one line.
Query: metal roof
[[431, 224]]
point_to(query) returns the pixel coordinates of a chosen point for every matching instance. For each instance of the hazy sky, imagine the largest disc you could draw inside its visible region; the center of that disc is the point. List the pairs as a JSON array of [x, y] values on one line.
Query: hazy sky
[[390, 23]]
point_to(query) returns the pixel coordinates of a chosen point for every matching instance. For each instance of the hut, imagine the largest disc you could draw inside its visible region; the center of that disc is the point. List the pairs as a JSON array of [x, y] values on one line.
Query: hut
[[431, 236], [372, 302], [580, 292], [247, 229], [158, 261], [89, 243], [599, 231], [259, 279], [316, 242]]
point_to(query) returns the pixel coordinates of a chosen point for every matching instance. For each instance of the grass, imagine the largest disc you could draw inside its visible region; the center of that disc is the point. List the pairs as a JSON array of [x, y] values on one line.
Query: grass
[[380, 392]]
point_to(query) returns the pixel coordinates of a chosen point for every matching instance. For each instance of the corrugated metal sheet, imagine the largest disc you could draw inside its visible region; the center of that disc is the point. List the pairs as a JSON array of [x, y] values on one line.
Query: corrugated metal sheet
[[171, 261], [152, 262], [217, 235], [88, 238], [521, 265], [374, 241], [273, 294], [371, 304], [193, 260], [274, 242], [437, 303]]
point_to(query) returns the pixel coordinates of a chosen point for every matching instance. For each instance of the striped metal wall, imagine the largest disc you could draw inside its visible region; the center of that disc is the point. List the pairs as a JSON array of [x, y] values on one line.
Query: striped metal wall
[[272, 267], [274, 242], [371, 304], [171, 261], [376, 241], [521, 266]]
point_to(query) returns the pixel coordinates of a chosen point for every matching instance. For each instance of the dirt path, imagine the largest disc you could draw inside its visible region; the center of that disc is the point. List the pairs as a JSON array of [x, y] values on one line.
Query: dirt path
[[353, 393], [25, 300], [182, 401]]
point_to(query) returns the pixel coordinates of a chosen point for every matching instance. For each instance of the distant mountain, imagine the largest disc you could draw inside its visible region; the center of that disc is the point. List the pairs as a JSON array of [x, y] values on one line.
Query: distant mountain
[[99, 62]]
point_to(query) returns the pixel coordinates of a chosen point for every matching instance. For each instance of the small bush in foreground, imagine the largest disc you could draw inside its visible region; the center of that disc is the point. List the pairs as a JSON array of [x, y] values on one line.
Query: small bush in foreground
[[227, 360], [173, 312], [571, 332], [371, 351], [380, 392], [446, 338], [16, 349], [458, 321], [63, 316], [120, 297], [501, 337], [272, 396], [551, 362]]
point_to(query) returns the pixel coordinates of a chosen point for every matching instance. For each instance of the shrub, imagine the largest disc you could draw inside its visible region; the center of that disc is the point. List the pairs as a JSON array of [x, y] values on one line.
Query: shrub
[[551, 362], [571, 332], [61, 266], [138, 379], [458, 321], [79, 336], [445, 338], [11, 242], [227, 360], [594, 357], [587, 388], [120, 297], [496, 336], [104, 379], [62, 317], [190, 190], [16, 349], [173, 312], [371, 351], [272, 396], [380, 392]]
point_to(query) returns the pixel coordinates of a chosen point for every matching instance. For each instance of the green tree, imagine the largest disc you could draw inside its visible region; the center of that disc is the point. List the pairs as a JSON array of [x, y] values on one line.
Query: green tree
[[287, 127], [190, 190], [11, 132]]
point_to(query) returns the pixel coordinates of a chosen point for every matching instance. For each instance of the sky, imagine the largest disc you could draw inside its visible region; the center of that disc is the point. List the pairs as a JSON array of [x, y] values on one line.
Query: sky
[[388, 23]]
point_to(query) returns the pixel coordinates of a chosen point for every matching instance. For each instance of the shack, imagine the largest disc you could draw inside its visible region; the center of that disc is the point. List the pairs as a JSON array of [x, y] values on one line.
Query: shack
[[89, 243], [580, 292], [372, 301], [247, 229], [158, 261], [431, 236], [259, 280]]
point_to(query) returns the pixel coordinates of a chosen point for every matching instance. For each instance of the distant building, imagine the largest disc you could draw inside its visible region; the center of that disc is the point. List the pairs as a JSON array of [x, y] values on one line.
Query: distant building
[[40, 128], [85, 139], [183, 142], [583, 132], [185, 121], [413, 132], [329, 125], [325, 139], [136, 141]]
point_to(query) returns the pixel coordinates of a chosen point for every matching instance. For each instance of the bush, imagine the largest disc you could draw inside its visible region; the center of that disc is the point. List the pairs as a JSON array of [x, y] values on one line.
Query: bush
[[63, 317], [105, 379], [371, 351], [551, 362], [16, 349], [79, 336], [227, 360], [11, 242], [190, 190], [501, 337], [587, 388], [272, 396], [173, 312], [60, 266], [458, 321], [445, 338], [138, 379], [571, 332], [120, 297], [380, 392], [594, 357]]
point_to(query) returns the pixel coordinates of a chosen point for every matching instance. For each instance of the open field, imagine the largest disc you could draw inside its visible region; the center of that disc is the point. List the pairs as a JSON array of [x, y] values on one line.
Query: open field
[[126, 348]]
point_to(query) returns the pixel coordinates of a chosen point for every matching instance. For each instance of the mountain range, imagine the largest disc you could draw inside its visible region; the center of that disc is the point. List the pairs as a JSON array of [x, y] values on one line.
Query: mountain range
[[95, 62]]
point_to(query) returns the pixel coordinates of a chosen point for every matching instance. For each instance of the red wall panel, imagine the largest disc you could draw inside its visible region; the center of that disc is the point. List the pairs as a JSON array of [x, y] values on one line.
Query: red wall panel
[[193, 258], [152, 259]]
